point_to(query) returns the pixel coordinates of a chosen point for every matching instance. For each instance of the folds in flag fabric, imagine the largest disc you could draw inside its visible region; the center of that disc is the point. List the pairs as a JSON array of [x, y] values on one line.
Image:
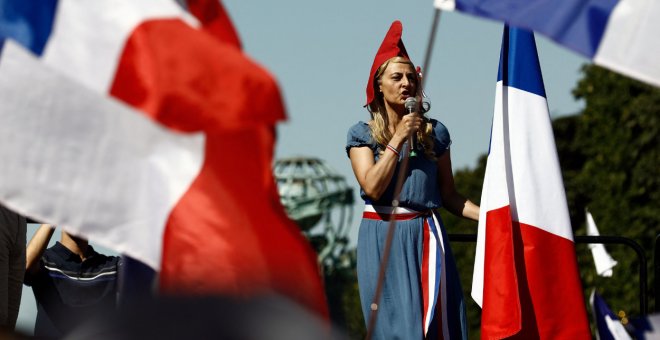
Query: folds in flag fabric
[[646, 327], [142, 126], [525, 276], [608, 325], [621, 35], [602, 259]]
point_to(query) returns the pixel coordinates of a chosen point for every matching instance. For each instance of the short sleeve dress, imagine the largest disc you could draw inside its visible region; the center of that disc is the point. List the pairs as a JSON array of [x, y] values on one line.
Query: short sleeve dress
[[421, 294]]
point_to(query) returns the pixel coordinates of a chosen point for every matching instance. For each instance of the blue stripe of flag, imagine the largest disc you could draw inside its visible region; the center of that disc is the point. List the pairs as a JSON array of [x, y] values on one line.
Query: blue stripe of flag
[[29, 22], [576, 24], [601, 311], [519, 62]]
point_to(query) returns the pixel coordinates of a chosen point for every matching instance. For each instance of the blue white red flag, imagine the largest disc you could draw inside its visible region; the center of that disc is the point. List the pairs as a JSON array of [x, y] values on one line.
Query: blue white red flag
[[621, 35], [608, 325], [525, 276], [135, 124]]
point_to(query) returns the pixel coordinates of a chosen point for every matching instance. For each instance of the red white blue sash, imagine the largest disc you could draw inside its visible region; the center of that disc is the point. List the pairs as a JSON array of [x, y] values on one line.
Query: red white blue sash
[[433, 273]]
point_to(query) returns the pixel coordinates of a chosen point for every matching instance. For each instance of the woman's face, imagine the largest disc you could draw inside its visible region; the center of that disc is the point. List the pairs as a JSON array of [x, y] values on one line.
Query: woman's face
[[397, 83]]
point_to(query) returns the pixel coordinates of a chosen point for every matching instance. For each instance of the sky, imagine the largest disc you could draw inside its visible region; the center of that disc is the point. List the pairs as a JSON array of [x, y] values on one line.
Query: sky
[[321, 52]]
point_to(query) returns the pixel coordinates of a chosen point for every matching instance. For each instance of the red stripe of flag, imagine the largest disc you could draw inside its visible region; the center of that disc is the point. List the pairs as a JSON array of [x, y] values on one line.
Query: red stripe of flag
[[533, 268], [551, 267], [425, 272], [228, 234], [387, 217], [500, 315], [214, 19]]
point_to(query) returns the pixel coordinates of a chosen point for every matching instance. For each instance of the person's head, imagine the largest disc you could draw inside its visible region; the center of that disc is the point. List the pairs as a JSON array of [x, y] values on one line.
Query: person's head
[[392, 79], [394, 82]]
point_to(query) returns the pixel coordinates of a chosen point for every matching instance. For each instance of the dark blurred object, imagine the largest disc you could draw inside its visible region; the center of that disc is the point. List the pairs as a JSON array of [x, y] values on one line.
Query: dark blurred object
[[12, 265], [206, 317], [137, 281], [646, 327]]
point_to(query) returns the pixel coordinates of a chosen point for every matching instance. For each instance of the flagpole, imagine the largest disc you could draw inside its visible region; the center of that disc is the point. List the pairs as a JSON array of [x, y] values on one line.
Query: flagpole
[[403, 171], [429, 45]]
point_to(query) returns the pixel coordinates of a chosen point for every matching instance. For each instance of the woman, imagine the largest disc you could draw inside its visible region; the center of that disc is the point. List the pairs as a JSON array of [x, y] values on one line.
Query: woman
[[421, 294]]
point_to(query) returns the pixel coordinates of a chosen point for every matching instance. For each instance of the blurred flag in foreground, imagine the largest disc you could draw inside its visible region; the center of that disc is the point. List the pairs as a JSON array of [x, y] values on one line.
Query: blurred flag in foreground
[[142, 126], [621, 35], [604, 262], [525, 276]]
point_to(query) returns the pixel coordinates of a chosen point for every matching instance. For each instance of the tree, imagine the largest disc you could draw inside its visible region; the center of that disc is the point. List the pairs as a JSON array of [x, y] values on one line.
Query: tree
[[469, 182], [610, 157]]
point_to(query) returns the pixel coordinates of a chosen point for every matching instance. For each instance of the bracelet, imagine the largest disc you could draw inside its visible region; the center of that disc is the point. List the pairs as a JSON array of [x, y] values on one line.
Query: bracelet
[[393, 149]]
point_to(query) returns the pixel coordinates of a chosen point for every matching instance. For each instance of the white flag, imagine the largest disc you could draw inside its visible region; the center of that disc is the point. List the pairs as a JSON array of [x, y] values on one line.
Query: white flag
[[604, 262]]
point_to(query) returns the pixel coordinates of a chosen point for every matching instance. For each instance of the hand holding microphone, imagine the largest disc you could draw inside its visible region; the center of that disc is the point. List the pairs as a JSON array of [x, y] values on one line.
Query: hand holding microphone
[[411, 105]]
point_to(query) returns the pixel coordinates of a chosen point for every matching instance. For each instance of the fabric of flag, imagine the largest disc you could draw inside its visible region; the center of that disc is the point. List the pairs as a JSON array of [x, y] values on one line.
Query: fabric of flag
[[602, 259], [143, 126], [646, 327], [608, 325], [621, 35], [525, 276]]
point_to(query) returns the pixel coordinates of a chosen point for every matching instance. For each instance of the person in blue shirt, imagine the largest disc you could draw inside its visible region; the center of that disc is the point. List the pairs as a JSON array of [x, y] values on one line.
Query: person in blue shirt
[[421, 294], [71, 282]]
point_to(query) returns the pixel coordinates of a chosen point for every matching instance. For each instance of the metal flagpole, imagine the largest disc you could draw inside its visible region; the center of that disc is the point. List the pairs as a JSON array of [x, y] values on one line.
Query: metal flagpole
[[429, 46], [403, 170]]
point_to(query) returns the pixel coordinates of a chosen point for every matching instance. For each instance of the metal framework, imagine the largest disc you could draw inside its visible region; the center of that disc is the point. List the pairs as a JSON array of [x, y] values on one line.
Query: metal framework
[[315, 195]]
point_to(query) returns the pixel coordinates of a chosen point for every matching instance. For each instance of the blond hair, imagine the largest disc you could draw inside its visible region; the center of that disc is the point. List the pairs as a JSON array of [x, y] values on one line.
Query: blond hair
[[379, 124]]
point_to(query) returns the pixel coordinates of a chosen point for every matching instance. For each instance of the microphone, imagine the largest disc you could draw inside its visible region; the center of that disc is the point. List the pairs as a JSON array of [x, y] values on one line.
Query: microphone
[[411, 105]]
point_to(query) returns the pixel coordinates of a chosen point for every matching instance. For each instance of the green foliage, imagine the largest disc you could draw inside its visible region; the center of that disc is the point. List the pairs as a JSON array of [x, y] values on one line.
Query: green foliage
[[341, 290], [469, 183], [610, 157]]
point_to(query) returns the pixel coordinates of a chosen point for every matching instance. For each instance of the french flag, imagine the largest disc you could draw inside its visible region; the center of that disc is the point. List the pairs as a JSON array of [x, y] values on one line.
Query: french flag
[[525, 275], [144, 127], [608, 325], [621, 35]]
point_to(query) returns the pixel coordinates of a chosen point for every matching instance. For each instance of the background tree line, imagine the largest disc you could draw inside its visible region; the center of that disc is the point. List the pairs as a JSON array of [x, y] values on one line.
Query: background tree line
[[610, 160]]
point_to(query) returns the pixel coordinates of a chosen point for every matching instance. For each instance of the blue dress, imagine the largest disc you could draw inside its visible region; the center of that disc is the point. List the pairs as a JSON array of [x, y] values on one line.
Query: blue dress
[[421, 294]]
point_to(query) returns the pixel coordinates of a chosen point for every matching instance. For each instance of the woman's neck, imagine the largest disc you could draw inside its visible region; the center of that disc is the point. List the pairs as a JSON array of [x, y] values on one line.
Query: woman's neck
[[393, 118]]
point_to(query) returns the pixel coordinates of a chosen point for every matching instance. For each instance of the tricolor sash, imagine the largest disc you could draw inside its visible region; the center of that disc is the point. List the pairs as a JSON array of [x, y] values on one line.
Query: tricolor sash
[[433, 268]]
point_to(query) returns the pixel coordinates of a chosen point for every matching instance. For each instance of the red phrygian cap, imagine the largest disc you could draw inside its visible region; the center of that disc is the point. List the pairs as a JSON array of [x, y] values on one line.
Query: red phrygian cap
[[391, 47]]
